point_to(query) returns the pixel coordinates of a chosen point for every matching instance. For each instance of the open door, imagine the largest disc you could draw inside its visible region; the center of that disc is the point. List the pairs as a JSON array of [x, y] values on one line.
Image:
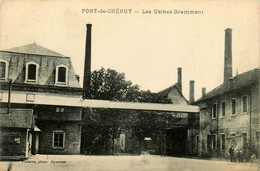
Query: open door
[[35, 140]]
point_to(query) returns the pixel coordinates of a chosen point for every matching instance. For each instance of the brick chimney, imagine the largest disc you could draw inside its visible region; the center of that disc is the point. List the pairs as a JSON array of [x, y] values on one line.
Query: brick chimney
[[191, 91], [87, 66], [228, 55], [179, 79], [203, 91]]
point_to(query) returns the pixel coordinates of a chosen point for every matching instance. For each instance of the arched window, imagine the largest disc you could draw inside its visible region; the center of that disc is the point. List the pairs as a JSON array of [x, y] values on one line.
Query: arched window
[[3, 69], [61, 75], [31, 72]]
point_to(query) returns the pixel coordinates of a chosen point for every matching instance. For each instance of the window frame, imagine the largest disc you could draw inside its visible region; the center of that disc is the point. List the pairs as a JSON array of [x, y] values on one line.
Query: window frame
[[233, 114], [242, 138], [197, 141], [53, 135], [212, 111], [221, 141], [221, 108], [6, 69], [242, 104], [27, 72], [212, 144], [57, 75], [60, 109]]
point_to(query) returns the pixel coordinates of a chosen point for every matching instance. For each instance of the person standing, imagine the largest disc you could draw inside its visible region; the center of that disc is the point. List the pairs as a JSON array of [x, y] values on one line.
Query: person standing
[[231, 153], [239, 155]]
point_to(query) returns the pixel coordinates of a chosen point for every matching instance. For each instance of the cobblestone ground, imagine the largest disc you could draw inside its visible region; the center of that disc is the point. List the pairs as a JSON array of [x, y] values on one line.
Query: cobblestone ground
[[122, 163]]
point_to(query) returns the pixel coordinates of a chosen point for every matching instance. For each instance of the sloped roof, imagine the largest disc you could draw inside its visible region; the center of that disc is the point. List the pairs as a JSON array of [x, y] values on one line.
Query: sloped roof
[[18, 118], [47, 60], [33, 48], [239, 81], [165, 92]]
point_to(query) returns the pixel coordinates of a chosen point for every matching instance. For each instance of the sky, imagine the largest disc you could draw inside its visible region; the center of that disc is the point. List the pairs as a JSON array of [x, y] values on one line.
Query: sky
[[148, 48]]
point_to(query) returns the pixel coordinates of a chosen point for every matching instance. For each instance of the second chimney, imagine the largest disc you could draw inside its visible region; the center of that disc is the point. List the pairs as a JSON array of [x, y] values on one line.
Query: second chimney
[[228, 55], [87, 67], [203, 91], [179, 79], [191, 91]]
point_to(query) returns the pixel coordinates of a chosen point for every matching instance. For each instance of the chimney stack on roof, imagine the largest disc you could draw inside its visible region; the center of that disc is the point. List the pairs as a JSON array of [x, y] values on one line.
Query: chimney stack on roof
[[228, 55], [191, 91], [87, 67], [179, 79], [230, 82], [203, 91]]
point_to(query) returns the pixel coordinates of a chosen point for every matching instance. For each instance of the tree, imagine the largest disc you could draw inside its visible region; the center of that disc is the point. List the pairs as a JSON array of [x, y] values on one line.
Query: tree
[[105, 124], [111, 85]]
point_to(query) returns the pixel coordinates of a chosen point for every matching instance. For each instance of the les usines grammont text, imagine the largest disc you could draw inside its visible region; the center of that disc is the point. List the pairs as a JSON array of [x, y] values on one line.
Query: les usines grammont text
[[143, 11]]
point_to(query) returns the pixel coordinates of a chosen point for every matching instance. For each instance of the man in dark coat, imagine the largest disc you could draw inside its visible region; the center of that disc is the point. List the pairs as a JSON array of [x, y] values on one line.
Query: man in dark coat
[[232, 155]]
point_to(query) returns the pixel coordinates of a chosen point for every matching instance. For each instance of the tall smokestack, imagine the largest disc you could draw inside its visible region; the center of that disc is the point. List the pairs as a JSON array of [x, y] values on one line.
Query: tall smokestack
[[87, 67], [191, 91], [179, 79], [228, 55], [203, 91]]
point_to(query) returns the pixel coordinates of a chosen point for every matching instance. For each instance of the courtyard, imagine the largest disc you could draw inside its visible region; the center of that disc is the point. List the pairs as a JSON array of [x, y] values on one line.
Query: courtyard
[[122, 163]]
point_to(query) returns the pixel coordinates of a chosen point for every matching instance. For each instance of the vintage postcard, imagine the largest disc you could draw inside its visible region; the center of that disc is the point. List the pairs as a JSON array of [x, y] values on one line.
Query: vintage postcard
[[129, 85]]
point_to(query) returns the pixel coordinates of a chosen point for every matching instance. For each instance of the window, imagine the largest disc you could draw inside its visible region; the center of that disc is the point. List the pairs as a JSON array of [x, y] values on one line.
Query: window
[[61, 75], [212, 142], [31, 72], [197, 141], [214, 111], [257, 140], [244, 139], [58, 139], [233, 106], [3, 69], [244, 104], [223, 109], [222, 141], [60, 109]]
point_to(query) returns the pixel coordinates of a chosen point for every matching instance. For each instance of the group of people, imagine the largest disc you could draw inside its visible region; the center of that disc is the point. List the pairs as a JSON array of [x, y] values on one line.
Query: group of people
[[244, 154]]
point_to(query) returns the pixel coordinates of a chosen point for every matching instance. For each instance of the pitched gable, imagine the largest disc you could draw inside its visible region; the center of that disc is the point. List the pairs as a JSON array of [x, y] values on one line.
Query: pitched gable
[[174, 94]]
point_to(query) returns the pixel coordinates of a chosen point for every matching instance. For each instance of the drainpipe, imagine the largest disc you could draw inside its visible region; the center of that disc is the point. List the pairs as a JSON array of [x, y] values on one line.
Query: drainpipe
[[218, 129], [9, 96], [217, 117]]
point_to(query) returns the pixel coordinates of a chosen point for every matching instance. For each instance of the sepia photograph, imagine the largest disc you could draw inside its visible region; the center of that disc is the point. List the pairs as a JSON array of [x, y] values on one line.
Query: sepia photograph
[[124, 85]]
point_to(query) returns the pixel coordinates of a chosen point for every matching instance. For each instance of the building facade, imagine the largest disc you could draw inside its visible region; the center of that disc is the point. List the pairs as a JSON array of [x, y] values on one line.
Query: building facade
[[229, 114], [182, 132], [15, 131], [36, 74]]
